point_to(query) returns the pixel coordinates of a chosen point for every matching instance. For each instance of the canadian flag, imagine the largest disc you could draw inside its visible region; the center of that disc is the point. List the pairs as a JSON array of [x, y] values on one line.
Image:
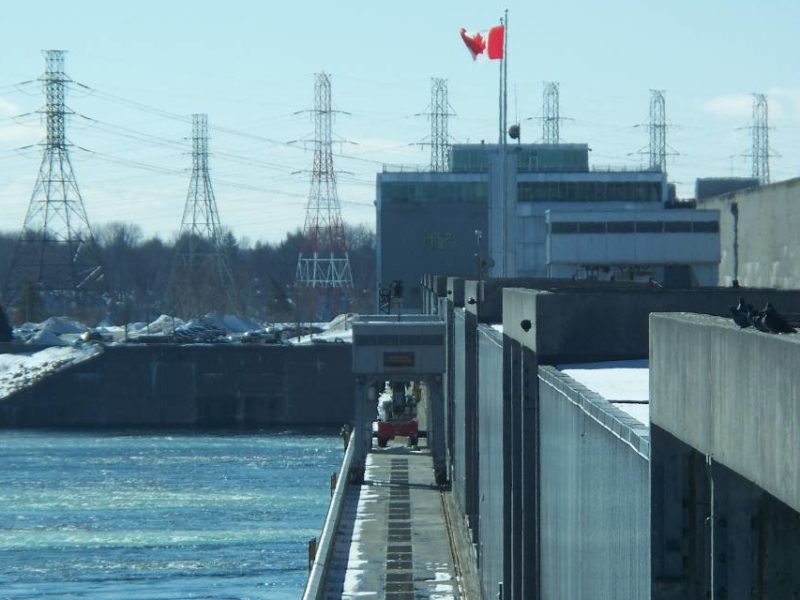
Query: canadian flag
[[487, 43]]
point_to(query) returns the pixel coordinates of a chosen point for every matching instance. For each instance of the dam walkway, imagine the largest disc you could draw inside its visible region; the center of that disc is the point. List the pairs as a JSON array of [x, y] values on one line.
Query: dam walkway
[[395, 540]]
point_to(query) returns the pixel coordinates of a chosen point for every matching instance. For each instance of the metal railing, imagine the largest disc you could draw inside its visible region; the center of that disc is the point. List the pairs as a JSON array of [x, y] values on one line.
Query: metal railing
[[315, 586]]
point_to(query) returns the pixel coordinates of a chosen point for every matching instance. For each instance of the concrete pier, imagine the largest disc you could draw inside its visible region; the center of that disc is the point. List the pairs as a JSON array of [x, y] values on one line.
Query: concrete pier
[[193, 385]]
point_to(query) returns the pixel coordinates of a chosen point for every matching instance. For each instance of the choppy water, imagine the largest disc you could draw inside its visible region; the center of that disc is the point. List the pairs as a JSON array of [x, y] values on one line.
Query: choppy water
[[87, 515]]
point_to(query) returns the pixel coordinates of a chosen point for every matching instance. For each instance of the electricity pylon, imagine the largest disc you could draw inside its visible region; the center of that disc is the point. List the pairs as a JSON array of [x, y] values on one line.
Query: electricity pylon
[[56, 255], [439, 112], [760, 151], [201, 279], [551, 117], [323, 263]]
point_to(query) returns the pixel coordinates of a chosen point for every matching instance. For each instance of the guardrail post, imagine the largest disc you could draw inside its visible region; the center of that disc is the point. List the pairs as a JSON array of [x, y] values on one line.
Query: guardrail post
[[312, 552]]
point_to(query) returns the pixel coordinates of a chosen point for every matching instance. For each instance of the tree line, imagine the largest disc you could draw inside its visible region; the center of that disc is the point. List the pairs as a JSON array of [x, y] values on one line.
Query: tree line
[[137, 270]]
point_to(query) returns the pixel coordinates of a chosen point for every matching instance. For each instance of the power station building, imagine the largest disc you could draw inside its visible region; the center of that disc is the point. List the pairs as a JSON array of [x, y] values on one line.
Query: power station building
[[541, 212]]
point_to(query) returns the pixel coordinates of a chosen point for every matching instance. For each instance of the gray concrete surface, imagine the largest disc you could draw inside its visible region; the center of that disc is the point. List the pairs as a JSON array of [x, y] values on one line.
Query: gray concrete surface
[[732, 394], [574, 325], [494, 464], [759, 244], [192, 385], [594, 487], [724, 466]]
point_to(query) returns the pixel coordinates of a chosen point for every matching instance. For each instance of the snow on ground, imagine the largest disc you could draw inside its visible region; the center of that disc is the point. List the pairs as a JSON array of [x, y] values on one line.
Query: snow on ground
[[163, 324], [46, 338], [62, 331], [339, 322], [62, 325], [18, 371], [335, 336]]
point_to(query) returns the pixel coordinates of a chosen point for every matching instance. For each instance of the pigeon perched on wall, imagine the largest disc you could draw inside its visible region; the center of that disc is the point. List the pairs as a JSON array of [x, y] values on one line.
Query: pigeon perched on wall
[[740, 314], [756, 318], [776, 322]]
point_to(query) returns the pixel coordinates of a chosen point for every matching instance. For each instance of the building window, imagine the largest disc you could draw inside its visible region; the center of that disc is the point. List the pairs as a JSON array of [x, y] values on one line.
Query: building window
[[563, 227], [591, 227], [649, 226], [705, 227], [394, 192], [677, 226], [588, 191], [620, 227]]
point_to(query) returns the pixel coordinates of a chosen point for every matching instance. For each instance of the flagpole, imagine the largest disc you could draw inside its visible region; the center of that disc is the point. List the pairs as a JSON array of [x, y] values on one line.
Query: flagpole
[[503, 150]]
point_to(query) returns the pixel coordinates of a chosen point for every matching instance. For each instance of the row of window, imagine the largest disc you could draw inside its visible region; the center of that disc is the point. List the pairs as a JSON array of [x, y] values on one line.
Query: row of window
[[635, 227], [436, 191], [589, 191], [529, 160], [527, 191]]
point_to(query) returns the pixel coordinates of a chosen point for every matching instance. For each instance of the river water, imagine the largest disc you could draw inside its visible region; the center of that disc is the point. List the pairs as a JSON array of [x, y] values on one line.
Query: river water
[[156, 516]]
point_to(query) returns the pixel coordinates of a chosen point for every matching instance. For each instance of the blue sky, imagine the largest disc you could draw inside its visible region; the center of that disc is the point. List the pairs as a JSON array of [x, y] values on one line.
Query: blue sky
[[250, 66]]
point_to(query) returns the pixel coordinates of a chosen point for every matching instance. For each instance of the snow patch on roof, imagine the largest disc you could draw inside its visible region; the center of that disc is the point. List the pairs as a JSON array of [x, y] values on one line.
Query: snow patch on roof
[[614, 381], [624, 383]]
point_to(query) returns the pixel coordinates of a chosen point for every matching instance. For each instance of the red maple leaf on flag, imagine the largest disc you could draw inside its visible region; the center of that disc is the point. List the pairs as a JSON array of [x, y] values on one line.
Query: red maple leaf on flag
[[475, 43]]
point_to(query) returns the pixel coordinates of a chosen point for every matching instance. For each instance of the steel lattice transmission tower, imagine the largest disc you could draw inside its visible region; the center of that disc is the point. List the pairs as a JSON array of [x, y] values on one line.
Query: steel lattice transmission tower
[[56, 254], [551, 116], [440, 136], [658, 131], [201, 279], [760, 151], [323, 262]]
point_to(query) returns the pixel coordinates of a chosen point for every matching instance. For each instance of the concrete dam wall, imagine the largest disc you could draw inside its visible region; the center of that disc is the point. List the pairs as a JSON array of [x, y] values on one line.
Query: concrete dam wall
[[193, 386]]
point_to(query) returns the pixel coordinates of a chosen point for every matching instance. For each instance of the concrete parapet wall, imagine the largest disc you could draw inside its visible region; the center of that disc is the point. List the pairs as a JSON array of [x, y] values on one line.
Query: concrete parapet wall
[[731, 394], [571, 325], [197, 385], [494, 472], [595, 499], [455, 290]]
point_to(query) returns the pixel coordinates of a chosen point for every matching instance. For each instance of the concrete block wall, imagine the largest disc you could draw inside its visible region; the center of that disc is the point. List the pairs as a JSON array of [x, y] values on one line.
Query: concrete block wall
[[724, 479], [732, 394], [758, 239], [494, 458], [193, 385], [459, 419], [594, 473]]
